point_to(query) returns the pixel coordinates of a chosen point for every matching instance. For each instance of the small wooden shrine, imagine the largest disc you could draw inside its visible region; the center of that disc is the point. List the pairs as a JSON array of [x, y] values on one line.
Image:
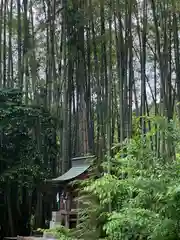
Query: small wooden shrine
[[67, 211]]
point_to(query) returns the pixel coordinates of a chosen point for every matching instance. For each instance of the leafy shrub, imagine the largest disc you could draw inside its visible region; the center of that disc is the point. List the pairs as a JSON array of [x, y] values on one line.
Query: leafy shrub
[[60, 232], [140, 199]]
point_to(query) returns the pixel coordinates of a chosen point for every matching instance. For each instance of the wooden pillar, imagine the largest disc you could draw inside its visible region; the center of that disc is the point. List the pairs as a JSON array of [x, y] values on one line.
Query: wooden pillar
[[67, 210], [77, 208]]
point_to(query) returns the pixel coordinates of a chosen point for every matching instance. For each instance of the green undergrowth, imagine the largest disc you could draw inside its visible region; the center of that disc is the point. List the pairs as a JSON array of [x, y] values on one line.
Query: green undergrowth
[[60, 233], [140, 198]]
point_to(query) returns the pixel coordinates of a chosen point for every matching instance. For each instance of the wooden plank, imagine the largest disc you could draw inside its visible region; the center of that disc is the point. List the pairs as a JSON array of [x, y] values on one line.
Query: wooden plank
[[65, 212], [23, 238], [10, 238]]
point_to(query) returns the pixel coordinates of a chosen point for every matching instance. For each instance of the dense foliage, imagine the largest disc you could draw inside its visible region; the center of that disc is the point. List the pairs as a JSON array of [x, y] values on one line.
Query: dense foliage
[[140, 198], [27, 157]]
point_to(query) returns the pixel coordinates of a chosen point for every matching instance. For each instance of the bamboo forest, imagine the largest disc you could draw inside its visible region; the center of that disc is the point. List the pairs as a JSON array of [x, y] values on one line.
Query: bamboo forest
[[90, 119]]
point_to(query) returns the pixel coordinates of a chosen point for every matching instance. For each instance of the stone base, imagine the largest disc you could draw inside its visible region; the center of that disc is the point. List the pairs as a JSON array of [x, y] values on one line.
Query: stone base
[[54, 224]]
